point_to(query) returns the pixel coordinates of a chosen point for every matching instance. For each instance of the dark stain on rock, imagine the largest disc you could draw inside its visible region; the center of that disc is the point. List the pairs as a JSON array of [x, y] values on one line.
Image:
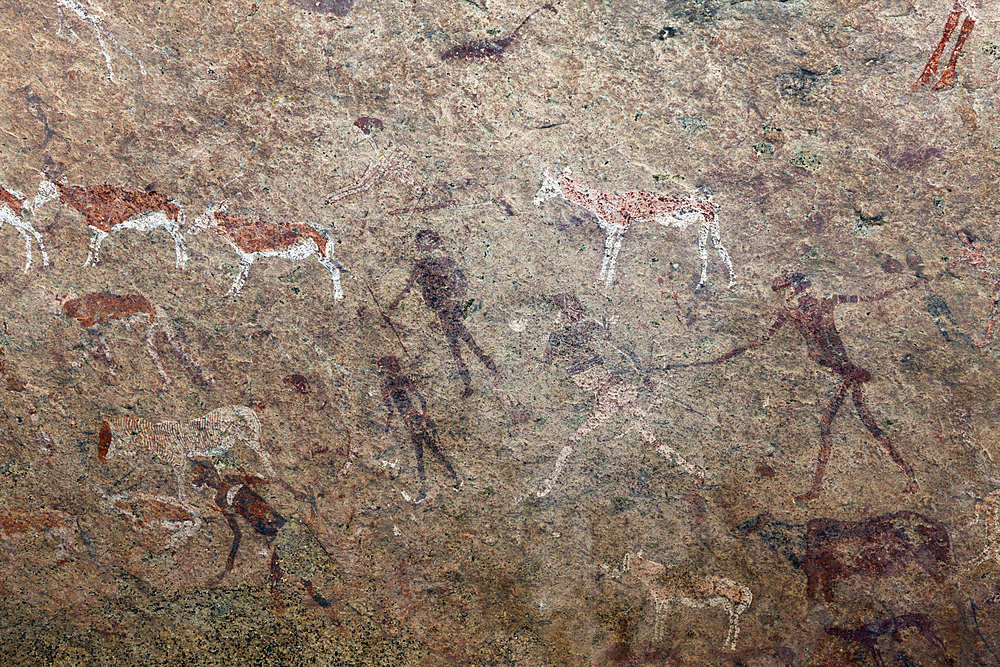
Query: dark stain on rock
[[335, 7]]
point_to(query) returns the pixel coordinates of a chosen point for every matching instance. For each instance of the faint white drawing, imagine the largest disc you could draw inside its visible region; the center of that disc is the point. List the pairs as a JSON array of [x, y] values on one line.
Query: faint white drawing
[[678, 586], [101, 308], [108, 208], [173, 442], [616, 211], [92, 18], [259, 238]]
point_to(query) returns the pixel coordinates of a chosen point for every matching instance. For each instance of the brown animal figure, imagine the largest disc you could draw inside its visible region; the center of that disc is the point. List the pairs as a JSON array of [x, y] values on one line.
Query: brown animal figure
[[876, 547], [97, 308], [235, 497], [108, 208], [296, 551], [870, 633], [260, 238]]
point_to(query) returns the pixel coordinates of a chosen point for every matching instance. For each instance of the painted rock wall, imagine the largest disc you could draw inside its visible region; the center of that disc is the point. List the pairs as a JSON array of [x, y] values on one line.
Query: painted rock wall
[[499, 334]]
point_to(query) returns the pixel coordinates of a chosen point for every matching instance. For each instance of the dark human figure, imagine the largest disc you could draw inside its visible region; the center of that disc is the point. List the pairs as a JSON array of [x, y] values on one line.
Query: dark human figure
[[293, 544], [815, 320], [444, 289], [397, 391]]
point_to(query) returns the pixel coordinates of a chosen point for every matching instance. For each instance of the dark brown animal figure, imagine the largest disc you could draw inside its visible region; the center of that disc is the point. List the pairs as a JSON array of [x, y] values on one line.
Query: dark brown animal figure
[[243, 502], [490, 48], [876, 547], [870, 633]]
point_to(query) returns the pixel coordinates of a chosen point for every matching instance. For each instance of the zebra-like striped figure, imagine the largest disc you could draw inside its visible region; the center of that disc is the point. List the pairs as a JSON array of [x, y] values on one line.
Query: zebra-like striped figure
[[172, 442]]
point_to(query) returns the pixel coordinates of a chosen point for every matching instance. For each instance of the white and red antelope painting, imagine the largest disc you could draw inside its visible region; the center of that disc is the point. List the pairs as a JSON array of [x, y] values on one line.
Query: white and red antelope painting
[[14, 210], [616, 211], [108, 208], [259, 238]]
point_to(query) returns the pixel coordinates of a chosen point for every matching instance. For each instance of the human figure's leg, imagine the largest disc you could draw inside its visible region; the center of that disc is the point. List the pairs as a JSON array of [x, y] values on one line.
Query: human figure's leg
[[869, 421], [826, 441]]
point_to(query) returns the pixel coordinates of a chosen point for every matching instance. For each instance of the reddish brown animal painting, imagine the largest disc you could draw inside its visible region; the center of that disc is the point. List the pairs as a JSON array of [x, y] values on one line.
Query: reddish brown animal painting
[[108, 208], [877, 547]]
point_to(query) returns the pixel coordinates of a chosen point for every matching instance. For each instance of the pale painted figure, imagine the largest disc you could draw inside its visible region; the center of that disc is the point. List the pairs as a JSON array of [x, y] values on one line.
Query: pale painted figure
[[678, 586], [174, 442], [615, 396], [100, 308], [260, 238], [15, 209], [90, 15], [108, 208], [988, 511], [616, 211]]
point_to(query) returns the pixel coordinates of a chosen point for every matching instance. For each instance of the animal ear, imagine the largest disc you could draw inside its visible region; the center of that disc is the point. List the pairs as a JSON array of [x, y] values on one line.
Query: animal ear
[[104, 442]]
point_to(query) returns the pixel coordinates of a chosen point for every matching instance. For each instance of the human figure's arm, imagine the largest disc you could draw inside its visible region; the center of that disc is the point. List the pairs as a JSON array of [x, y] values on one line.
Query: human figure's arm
[[405, 290], [868, 298], [782, 318]]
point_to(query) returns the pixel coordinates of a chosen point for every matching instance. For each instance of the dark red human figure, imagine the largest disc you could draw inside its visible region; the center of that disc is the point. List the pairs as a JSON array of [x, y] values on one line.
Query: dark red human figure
[[815, 321], [398, 392], [444, 289], [235, 497]]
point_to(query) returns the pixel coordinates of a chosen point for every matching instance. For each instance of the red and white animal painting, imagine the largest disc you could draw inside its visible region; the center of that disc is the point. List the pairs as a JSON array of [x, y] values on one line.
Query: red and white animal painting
[[108, 208], [260, 238], [616, 211], [100, 308], [678, 586], [14, 209]]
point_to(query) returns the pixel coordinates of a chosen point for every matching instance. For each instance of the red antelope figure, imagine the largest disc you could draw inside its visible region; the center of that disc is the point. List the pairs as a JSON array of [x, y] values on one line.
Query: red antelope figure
[[259, 238], [108, 208]]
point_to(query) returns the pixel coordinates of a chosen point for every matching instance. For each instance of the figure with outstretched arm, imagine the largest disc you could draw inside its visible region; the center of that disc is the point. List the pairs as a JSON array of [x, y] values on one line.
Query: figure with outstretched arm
[[444, 286], [815, 321]]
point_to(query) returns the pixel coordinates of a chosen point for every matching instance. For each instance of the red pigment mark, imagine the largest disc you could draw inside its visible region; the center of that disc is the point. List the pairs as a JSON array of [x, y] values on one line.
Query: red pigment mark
[[16, 203], [101, 308], [259, 235], [335, 7], [489, 48], [104, 442], [300, 383], [422, 209], [365, 124], [765, 471], [105, 206]]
